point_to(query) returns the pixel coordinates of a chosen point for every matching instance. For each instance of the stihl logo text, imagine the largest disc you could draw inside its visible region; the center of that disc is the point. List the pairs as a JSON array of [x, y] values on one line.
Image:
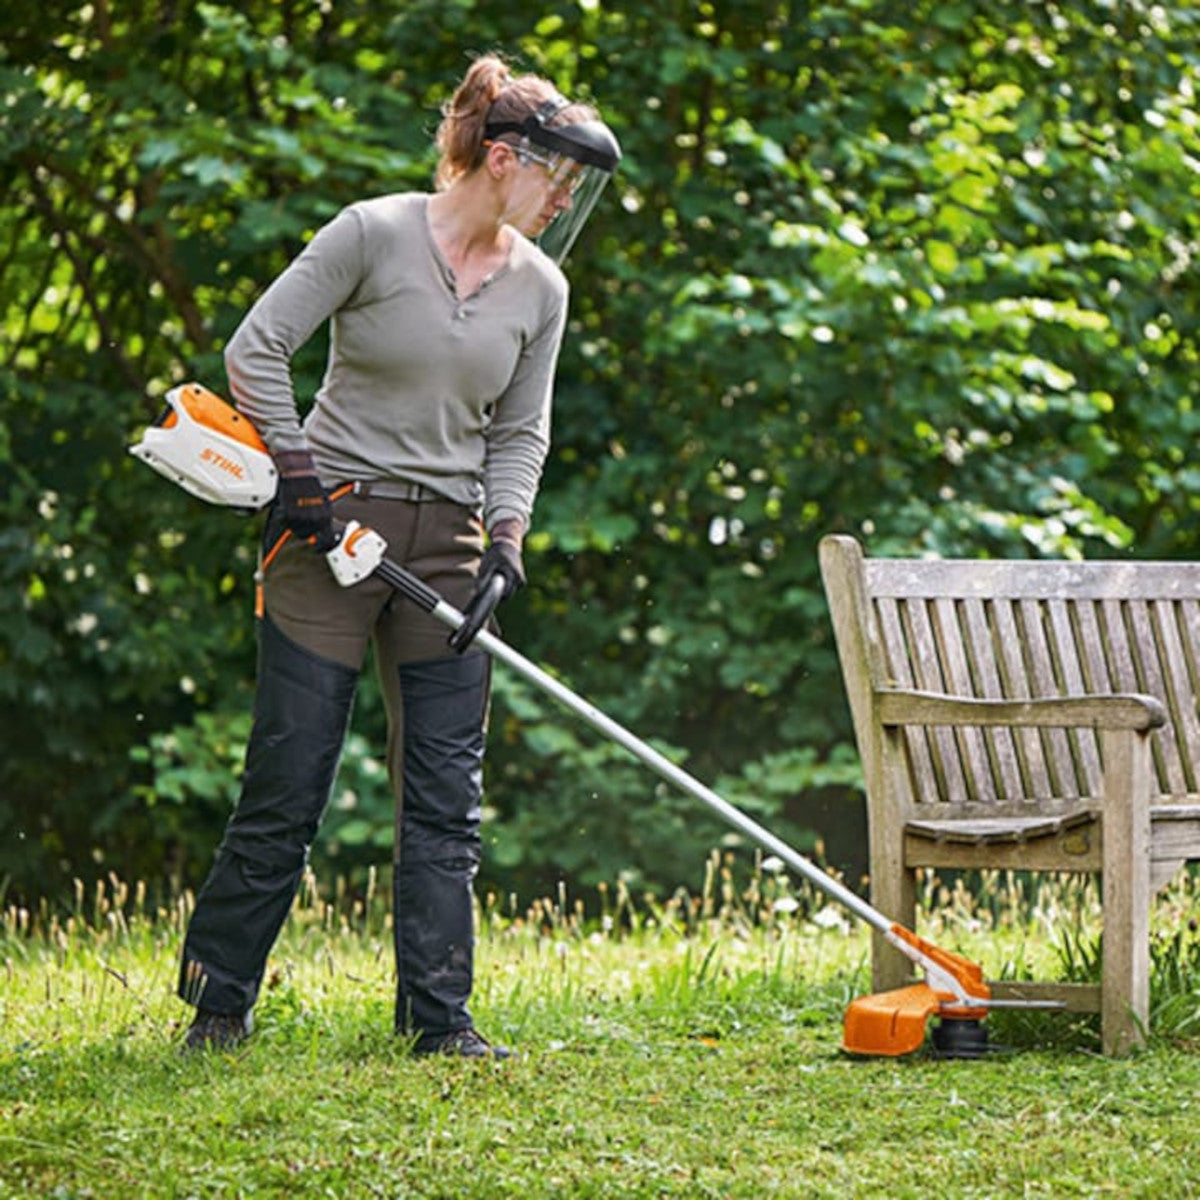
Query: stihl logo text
[[222, 463]]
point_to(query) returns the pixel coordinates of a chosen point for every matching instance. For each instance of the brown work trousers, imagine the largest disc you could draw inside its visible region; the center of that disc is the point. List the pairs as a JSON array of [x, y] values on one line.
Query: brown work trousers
[[313, 639]]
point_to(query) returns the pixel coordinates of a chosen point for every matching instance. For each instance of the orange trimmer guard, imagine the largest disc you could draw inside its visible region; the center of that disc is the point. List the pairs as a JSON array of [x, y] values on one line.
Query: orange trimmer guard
[[889, 1023]]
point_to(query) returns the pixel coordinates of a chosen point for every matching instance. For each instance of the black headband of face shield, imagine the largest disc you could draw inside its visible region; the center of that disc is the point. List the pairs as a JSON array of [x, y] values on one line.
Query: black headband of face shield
[[585, 143]]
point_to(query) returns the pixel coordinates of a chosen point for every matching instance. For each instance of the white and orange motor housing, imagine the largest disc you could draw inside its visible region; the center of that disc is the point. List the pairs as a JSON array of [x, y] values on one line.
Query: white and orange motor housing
[[207, 447]]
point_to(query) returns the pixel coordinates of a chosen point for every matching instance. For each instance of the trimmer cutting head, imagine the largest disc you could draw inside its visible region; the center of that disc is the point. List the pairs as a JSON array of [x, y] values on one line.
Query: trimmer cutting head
[[961, 1037], [891, 1024]]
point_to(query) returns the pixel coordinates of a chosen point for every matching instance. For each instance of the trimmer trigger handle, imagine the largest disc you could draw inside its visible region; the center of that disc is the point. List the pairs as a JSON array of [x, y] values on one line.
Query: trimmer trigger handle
[[358, 552], [477, 613]]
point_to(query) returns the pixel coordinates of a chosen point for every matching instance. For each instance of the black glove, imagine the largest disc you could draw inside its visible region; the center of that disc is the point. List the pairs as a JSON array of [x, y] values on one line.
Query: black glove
[[501, 558], [303, 504]]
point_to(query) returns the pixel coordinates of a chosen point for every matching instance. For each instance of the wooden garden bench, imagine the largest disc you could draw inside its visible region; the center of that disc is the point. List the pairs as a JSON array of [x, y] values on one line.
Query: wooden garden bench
[[1026, 715]]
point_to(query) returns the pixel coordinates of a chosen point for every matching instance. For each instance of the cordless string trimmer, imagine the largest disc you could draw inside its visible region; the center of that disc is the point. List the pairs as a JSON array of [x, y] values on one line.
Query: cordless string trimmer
[[203, 445]]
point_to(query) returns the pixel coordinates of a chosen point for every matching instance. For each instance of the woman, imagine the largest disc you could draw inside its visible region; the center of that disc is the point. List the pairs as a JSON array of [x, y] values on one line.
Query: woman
[[431, 426]]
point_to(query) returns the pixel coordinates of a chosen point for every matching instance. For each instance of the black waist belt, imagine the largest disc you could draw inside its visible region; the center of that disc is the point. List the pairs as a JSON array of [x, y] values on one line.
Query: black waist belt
[[396, 489]]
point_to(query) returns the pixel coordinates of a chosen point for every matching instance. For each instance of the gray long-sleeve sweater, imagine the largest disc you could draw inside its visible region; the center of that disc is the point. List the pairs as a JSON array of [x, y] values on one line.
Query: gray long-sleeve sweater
[[421, 385]]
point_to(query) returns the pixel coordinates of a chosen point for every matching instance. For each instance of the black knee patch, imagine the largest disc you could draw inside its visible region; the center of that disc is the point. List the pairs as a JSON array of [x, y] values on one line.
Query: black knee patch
[[445, 701], [301, 713]]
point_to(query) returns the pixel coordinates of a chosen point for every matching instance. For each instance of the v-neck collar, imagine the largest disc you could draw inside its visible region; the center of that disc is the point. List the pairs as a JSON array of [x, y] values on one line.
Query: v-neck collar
[[447, 271]]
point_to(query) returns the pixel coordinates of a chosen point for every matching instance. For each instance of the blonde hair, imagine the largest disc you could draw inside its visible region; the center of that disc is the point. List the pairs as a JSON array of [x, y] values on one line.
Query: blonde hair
[[490, 92]]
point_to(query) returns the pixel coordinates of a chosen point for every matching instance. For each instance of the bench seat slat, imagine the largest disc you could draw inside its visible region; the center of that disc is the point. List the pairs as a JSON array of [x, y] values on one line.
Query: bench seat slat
[[978, 830]]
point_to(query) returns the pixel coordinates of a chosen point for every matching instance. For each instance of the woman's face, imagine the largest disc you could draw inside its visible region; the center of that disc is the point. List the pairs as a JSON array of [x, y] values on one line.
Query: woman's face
[[539, 188]]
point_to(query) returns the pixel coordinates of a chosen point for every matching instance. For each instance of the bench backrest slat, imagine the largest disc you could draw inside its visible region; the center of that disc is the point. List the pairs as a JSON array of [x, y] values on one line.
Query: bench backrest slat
[[1059, 760], [1071, 665], [899, 668], [1023, 629], [1005, 757], [1184, 732], [927, 664], [1035, 579], [1152, 675], [954, 652], [1016, 684]]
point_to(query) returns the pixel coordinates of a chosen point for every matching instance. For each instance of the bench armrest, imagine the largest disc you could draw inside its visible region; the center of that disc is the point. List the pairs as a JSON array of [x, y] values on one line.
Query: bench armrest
[[1127, 711]]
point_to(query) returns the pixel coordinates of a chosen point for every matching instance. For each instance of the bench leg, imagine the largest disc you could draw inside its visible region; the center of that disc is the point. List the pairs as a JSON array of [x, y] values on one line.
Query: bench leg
[[1125, 946], [894, 893]]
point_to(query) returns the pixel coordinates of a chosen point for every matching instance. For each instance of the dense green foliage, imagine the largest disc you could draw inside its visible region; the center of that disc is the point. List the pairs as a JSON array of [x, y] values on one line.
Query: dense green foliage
[[921, 272]]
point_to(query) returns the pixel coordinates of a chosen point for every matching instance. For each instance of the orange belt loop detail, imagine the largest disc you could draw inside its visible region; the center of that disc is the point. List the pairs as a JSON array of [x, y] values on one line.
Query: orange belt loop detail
[[266, 560]]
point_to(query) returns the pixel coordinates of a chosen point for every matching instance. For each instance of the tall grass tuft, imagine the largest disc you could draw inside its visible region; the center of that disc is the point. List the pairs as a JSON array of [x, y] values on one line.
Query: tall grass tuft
[[758, 944]]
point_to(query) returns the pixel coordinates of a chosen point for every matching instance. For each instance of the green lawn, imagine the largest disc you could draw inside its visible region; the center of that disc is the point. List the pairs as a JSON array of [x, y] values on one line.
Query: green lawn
[[688, 1051]]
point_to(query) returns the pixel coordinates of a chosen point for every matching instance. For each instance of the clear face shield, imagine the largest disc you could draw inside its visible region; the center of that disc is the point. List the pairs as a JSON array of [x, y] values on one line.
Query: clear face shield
[[578, 161]]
